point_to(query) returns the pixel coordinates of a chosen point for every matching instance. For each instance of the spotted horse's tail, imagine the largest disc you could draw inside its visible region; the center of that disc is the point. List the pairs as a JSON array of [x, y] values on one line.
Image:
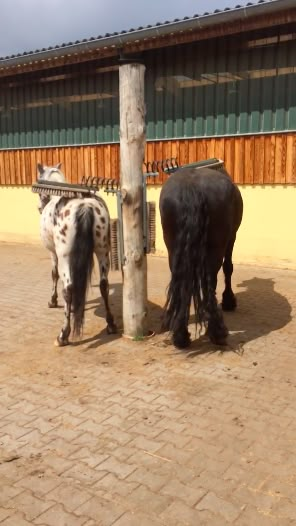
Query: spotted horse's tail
[[81, 264]]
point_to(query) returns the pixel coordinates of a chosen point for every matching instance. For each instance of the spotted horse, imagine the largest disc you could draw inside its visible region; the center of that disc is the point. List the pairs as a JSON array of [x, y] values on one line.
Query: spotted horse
[[73, 229]]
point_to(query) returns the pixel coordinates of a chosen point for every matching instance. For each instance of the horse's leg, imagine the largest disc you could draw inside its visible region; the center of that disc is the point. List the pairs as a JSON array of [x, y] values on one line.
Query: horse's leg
[[228, 297], [104, 265], [63, 337], [55, 278], [216, 329], [165, 325], [181, 335]]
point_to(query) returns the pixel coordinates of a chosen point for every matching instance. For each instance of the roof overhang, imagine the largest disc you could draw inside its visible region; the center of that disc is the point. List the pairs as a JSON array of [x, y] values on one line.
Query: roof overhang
[[217, 24]]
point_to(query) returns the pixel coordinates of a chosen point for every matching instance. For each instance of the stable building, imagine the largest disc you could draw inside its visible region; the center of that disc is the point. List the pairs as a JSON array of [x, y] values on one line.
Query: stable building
[[219, 84]]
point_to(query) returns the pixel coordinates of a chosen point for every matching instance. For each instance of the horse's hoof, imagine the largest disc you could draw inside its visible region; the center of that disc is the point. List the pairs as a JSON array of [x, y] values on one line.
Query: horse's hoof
[[61, 343], [228, 302], [52, 304], [111, 329], [218, 337], [182, 340]]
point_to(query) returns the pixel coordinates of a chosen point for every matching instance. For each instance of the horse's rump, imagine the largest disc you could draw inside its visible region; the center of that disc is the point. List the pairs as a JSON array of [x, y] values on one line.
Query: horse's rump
[[221, 200]]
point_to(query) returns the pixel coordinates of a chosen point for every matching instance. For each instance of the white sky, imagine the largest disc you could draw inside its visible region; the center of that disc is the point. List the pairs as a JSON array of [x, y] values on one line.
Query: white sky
[[27, 25]]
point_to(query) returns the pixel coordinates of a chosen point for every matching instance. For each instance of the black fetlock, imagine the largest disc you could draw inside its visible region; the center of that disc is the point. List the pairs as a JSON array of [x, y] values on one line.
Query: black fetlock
[[181, 339], [111, 328], [228, 301], [217, 330]]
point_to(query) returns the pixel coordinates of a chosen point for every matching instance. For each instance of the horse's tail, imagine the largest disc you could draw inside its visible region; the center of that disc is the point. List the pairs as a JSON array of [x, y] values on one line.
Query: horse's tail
[[81, 263], [188, 262]]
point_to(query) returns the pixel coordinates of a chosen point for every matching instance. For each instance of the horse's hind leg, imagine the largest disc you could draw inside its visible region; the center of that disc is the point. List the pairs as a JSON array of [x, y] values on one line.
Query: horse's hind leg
[[181, 335], [228, 297], [104, 265], [63, 337], [216, 328], [55, 278]]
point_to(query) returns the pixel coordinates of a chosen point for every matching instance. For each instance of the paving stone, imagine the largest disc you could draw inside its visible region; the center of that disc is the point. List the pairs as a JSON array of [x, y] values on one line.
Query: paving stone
[[30, 506], [83, 473], [178, 513], [136, 519], [220, 506], [120, 469], [5, 513], [103, 511], [8, 492], [137, 432], [144, 499], [70, 496], [153, 481], [38, 483], [16, 520], [190, 496], [57, 516], [111, 485]]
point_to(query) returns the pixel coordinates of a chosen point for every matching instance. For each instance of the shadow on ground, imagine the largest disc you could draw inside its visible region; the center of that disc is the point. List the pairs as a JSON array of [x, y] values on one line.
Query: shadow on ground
[[260, 311], [97, 305]]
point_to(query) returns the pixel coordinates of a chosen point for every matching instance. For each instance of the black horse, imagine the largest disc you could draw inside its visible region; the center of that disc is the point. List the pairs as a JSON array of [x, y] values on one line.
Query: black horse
[[201, 211]]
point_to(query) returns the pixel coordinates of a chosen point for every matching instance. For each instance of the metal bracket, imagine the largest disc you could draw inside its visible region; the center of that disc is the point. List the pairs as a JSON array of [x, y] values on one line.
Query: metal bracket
[[126, 59]]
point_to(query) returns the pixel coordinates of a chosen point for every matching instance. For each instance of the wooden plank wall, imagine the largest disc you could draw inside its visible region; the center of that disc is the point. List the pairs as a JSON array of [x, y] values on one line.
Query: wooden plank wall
[[260, 159]]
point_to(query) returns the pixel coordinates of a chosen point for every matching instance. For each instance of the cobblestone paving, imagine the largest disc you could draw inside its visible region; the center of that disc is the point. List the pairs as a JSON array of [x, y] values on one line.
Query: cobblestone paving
[[112, 432]]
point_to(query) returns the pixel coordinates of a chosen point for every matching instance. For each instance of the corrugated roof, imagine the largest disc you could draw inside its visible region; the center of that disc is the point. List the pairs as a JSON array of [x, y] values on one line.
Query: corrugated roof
[[142, 31]]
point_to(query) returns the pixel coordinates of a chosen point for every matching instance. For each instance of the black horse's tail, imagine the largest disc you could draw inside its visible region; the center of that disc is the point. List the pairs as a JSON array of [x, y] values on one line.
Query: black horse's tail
[[81, 264], [188, 263]]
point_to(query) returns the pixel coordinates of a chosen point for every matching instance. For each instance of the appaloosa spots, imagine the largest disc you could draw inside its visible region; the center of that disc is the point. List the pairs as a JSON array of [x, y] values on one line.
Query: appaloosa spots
[[67, 213], [103, 220], [98, 210], [63, 230]]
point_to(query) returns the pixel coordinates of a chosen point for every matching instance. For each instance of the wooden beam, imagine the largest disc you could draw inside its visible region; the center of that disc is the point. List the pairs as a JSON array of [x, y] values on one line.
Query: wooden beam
[[132, 149], [273, 156]]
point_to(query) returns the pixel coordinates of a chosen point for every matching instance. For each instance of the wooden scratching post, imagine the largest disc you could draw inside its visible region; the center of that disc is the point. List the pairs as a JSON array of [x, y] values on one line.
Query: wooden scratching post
[[132, 150]]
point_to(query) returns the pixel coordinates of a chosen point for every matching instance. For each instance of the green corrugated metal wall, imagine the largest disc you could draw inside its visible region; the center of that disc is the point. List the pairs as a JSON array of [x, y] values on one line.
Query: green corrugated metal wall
[[219, 87]]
